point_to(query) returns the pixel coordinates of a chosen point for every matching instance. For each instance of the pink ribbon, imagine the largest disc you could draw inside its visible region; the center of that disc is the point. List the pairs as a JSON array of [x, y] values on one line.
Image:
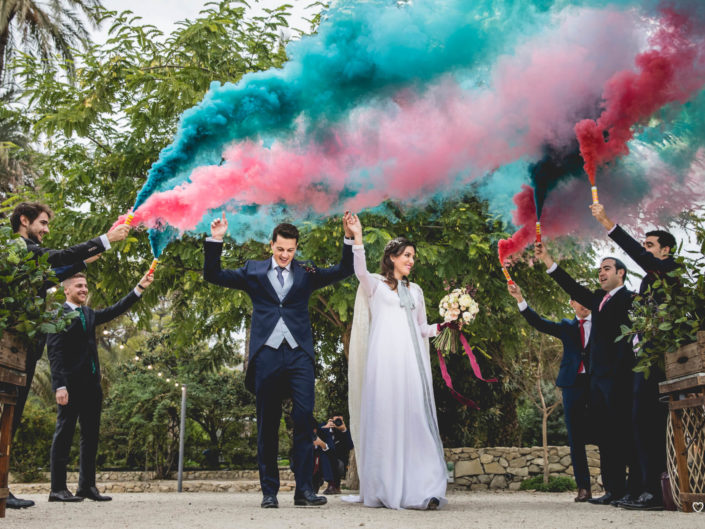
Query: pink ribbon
[[446, 377], [475, 369], [473, 360]]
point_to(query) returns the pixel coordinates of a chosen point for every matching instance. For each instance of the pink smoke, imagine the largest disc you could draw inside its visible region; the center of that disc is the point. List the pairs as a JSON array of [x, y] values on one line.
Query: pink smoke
[[672, 71], [524, 216], [415, 146]]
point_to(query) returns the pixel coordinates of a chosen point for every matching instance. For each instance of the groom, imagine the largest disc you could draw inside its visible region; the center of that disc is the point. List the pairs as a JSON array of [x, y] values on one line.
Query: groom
[[281, 356]]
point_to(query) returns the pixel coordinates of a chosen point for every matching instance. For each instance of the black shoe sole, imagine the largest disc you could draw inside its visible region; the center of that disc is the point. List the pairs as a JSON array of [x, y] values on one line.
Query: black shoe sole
[[15, 506], [305, 503]]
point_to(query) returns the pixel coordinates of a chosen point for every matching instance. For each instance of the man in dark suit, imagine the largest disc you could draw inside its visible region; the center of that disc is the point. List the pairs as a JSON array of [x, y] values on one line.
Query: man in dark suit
[[573, 379], [31, 221], [75, 378], [281, 355], [336, 445], [649, 416], [610, 369]]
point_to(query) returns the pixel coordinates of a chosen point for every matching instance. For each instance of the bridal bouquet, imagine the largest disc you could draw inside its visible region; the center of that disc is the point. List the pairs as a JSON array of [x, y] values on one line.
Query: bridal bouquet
[[458, 309]]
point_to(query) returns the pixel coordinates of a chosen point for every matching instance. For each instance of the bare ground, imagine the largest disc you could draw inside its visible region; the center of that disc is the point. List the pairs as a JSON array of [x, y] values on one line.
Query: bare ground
[[486, 510]]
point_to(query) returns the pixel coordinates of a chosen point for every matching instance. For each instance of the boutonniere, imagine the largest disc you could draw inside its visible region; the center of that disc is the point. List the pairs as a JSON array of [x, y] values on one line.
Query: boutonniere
[[309, 267]]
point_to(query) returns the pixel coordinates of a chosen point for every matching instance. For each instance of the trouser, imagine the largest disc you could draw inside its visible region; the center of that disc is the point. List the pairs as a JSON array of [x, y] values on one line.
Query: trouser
[[649, 417], [610, 402], [84, 406], [34, 353], [575, 402], [332, 468], [281, 373]]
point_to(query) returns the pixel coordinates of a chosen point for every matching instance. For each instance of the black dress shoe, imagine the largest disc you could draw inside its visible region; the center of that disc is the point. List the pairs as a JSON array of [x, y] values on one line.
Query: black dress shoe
[[309, 499], [92, 494], [605, 499], [270, 502], [645, 502], [63, 495], [433, 504], [17, 503], [626, 498]]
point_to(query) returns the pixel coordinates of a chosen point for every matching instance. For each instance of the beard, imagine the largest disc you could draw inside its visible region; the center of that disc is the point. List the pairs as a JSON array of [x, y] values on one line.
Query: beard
[[33, 235]]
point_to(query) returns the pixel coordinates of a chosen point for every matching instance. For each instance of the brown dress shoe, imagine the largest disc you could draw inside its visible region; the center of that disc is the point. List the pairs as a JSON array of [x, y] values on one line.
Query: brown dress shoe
[[583, 495]]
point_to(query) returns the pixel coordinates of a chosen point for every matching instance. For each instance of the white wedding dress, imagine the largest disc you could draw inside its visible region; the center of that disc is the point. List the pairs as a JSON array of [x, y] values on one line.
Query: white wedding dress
[[392, 410]]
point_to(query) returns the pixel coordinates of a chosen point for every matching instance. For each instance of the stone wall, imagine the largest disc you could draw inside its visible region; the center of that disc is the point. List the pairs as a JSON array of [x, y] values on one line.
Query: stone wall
[[507, 467], [474, 469]]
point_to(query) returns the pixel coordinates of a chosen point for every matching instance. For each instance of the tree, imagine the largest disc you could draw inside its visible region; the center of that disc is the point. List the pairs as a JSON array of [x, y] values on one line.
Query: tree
[[533, 371], [45, 30]]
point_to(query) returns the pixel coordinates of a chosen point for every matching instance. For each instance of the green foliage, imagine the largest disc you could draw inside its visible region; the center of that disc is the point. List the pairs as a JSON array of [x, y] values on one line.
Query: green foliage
[[529, 419], [671, 312], [555, 484], [23, 281]]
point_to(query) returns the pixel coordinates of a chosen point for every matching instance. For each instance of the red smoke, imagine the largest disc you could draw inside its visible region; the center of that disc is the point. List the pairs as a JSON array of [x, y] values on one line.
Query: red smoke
[[524, 216], [672, 70]]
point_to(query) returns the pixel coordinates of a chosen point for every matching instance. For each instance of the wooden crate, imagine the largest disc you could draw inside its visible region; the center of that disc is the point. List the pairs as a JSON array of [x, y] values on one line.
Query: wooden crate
[[13, 353], [687, 360]]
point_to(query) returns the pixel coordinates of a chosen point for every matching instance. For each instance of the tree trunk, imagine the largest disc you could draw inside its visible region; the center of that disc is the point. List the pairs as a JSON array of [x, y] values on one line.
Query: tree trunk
[[544, 427], [352, 478], [544, 441], [4, 38]]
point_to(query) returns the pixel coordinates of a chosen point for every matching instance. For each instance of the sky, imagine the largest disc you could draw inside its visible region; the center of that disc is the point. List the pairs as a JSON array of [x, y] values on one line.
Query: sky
[[164, 14]]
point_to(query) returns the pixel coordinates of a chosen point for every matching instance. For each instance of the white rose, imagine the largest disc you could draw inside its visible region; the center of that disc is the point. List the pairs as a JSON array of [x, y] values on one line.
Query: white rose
[[465, 300], [467, 317]]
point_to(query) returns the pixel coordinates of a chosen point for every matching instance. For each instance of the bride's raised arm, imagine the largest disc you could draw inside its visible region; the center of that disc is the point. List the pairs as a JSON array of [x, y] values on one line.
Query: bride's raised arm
[[367, 282]]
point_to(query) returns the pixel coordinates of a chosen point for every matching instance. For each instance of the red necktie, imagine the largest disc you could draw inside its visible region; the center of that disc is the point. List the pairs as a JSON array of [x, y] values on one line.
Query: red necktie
[[604, 300], [581, 367]]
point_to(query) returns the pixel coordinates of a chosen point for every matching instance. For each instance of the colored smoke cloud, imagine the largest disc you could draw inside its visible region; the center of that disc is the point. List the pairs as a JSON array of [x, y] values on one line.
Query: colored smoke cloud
[[413, 101]]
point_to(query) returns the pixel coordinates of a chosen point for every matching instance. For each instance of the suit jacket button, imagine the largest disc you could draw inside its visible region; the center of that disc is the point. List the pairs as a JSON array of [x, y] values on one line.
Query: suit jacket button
[[281, 304]]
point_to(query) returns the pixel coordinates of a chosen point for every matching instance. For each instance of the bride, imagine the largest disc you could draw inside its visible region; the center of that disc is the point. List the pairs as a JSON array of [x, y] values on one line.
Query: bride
[[392, 410]]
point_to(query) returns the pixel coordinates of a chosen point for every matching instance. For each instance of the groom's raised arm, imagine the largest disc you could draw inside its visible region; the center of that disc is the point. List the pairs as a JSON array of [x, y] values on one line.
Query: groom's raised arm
[[213, 249], [326, 276]]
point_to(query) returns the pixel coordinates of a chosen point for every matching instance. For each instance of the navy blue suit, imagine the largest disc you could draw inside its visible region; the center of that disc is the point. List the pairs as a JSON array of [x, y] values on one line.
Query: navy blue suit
[[334, 461], [274, 374], [611, 364], [648, 414], [574, 386]]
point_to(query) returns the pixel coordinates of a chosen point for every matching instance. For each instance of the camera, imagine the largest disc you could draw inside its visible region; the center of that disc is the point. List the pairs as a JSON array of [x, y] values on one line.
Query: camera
[[338, 421]]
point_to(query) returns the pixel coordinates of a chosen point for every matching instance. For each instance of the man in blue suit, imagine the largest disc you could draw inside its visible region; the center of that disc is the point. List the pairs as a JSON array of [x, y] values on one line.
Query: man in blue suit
[[281, 355], [573, 379]]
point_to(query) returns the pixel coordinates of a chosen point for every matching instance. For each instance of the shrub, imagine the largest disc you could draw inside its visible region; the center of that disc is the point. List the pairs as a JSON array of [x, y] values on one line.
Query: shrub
[[555, 484]]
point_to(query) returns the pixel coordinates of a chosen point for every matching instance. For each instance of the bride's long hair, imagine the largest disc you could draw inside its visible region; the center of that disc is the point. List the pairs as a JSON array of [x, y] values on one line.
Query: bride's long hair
[[395, 248]]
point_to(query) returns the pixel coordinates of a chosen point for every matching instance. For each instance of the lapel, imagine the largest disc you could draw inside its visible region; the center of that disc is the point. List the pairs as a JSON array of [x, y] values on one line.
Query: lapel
[[298, 272], [261, 273]]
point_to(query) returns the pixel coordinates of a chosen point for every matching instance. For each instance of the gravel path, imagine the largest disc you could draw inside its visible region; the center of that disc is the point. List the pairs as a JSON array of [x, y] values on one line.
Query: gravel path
[[486, 510]]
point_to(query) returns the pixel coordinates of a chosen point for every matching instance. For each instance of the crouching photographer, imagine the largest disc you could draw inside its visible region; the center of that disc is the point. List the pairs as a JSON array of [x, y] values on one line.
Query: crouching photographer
[[334, 443]]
